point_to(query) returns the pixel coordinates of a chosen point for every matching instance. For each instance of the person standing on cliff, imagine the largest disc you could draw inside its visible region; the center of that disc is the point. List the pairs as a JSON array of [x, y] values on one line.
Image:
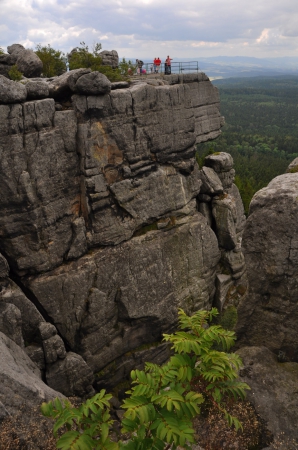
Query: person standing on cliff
[[168, 65], [157, 64], [139, 65]]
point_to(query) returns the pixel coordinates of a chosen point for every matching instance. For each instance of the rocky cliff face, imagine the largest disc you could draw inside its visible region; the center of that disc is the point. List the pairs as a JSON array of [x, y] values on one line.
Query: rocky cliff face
[[107, 224], [269, 317]]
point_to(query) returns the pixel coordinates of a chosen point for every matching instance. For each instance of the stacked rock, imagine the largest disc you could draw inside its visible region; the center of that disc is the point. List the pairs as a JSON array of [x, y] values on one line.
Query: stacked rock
[[221, 204]]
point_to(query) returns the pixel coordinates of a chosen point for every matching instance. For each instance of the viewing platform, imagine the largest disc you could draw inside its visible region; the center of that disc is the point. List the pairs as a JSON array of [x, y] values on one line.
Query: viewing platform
[[176, 68]]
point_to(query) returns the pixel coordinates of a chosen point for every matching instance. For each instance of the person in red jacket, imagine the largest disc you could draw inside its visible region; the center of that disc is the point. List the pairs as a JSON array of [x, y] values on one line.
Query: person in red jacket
[[157, 63], [168, 65]]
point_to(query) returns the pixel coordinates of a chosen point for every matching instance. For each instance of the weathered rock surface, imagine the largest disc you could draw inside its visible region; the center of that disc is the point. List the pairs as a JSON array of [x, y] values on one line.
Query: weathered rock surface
[[93, 83], [26, 60], [37, 90], [109, 58], [269, 316], [71, 376], [11, 322], [100, 223], [11, 91], [273, 392], [20, 380], [119, 298]]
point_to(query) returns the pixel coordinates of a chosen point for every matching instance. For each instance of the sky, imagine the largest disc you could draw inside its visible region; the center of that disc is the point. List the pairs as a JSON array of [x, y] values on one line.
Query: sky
[[150, 28]]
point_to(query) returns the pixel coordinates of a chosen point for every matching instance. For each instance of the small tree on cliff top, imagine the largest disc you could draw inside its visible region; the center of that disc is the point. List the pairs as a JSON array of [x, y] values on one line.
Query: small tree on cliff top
[[161, 403], [52, 60]]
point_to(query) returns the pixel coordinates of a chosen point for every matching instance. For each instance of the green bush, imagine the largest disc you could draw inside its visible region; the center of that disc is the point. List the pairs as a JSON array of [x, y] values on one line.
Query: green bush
[[161, 402], [53, 60], [14, 74], [1, 51], [81, 57]]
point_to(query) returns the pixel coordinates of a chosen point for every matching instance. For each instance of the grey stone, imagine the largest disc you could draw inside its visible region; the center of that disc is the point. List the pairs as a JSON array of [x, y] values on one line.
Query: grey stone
[[273, 392], [11, 322], [11, 91], [26, 60], [37, 90], [119, 85], [4, 267], [221, 162], [15, 49], [20, 380], [211, 184], [116, 175], [225, 215], [240, 215], [64, 84], [177, 190], [204, 198], [205, 209], [91, 298], [53, 348], [227, 179], [31, 318], [36, 354], [7, 59], [70, 376], [94, 83], [79, 243], [293, 166], [223, 284], [47, 330], [270, 244], [109, 58]]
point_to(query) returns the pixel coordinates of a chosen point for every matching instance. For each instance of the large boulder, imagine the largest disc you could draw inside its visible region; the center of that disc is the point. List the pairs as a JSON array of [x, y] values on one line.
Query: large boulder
[[11, 91], [269, 316], [71, 376], [273, 393], [26, 60], [109, 58], [94, 83], [20, 379]]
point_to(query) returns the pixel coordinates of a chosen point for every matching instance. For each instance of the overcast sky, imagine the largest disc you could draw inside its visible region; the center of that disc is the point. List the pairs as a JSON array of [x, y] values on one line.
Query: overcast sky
[[150, 28]]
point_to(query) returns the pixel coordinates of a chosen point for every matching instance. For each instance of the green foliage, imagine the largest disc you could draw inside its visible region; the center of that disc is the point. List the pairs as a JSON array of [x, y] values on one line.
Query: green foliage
[[294, 169], [14, 74], [161, 402], [87, 426], [261, 131], [228, 318], [53, 60], [127, 68], [1, 51], [81, 57]]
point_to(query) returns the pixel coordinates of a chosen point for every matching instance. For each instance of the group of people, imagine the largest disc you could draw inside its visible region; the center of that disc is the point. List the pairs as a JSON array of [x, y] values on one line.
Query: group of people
[[155, 67]]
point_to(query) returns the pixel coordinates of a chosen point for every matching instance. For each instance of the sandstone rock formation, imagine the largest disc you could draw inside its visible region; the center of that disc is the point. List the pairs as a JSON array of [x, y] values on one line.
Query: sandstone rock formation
[[109, 58], [107, 222], [269, 316], [273, 392], [27, 62]]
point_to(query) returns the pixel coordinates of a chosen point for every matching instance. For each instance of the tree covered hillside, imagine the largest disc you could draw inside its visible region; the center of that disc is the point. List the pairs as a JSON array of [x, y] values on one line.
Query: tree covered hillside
[[261, 130]]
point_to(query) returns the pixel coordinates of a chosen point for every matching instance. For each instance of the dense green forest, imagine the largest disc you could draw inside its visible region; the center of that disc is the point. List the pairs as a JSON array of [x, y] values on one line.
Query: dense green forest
[[261, 130]]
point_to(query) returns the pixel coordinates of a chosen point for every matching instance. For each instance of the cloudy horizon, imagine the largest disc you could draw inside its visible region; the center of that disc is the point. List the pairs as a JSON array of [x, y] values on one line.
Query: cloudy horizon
[[149, 28]]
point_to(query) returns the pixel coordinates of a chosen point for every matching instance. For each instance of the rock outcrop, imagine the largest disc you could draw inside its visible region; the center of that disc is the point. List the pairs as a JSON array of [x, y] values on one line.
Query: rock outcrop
[[27, 62], [273, 392], [269, 316], [107, 222]]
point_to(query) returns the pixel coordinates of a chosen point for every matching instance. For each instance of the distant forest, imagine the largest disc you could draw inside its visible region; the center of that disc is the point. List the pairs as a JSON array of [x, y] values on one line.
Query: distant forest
[[261, 130]]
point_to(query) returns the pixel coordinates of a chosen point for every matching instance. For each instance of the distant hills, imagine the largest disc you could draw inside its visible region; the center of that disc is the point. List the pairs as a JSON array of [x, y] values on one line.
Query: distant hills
[[242, 66]]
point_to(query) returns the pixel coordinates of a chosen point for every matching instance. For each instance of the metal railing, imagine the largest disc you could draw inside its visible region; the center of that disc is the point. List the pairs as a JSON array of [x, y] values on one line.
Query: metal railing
[[176, 67]]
